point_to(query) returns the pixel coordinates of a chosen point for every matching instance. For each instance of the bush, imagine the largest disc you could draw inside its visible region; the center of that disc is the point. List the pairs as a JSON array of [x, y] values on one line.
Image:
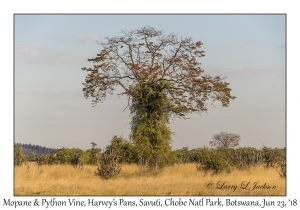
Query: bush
[[273, 157], [68, 156], [217, 160], [244, 157], [109, 165], [183, 155], [123, 149]]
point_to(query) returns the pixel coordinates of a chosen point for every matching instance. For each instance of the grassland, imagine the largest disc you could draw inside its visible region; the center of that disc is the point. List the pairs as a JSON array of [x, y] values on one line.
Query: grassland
[[173, 180]]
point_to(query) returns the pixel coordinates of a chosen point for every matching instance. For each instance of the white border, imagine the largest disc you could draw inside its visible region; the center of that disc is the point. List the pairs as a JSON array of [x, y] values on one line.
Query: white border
[[8, 8]]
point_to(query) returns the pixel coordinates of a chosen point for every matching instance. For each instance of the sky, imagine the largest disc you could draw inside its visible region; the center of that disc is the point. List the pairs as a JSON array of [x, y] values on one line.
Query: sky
[[50, 50]]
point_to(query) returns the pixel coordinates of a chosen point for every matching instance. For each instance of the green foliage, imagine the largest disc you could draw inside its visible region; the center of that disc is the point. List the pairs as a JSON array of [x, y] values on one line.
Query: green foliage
[[65, 155], [123, 148], [272, 157], [217, 160], [150, 132], [245, 157], [275, 157], [93, 154], [183, 155], [42, 159], [225, 159]]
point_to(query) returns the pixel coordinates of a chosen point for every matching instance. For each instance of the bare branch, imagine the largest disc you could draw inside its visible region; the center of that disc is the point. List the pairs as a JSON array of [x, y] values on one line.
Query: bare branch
[[148, 56]]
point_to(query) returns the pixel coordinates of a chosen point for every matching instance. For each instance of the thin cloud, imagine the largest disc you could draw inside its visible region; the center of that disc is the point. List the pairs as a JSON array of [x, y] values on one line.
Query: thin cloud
[[42, 55], [282, 46]]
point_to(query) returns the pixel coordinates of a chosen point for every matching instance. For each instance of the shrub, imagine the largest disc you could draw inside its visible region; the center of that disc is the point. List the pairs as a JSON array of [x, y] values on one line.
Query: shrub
[[273, 157], [109, 165], [183, 155], [217, 160], [244, 157], [123, 149], [67, 155]]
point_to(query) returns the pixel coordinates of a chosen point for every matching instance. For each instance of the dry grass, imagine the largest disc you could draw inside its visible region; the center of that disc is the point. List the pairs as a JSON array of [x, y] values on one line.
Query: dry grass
[[176, 180]]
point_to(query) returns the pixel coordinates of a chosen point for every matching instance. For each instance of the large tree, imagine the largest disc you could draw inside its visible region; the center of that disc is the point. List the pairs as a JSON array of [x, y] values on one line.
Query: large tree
[[161, 77]]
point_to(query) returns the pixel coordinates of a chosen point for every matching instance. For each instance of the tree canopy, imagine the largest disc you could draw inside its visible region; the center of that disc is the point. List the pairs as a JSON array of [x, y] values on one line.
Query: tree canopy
[[146, 55], [227, 140]]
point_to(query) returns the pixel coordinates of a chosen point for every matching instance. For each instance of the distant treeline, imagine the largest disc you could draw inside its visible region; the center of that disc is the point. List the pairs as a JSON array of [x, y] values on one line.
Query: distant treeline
[[31, 149]]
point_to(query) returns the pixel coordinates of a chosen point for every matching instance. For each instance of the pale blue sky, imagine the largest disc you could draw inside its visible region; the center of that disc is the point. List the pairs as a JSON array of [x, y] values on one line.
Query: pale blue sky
[[50, 51]]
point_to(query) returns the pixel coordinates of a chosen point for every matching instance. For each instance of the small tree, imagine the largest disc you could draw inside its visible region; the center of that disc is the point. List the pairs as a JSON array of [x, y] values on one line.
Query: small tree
[[227, 140]]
